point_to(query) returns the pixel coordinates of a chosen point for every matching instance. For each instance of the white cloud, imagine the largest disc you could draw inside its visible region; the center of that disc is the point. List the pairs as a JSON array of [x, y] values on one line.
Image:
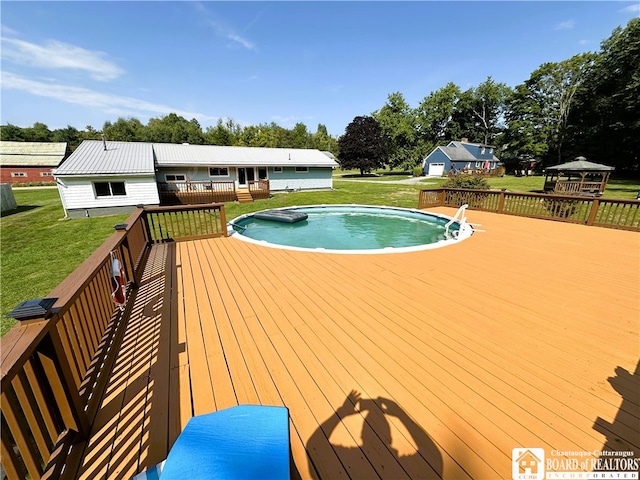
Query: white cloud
[[634, 9], [113, 104], [7, 31], [59, 55], [222, 29], [566, 25], [226, 32]]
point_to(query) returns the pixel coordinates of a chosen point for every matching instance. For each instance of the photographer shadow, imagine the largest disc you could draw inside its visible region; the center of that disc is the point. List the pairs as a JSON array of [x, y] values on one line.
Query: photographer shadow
[[375, 456]]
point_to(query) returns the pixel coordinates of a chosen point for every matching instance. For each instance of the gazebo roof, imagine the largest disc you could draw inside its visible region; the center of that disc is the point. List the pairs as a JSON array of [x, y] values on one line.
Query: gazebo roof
[[581, 165]]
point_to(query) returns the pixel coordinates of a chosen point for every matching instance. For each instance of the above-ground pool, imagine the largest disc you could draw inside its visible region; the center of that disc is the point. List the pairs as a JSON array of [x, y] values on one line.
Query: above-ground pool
[[352, 229]]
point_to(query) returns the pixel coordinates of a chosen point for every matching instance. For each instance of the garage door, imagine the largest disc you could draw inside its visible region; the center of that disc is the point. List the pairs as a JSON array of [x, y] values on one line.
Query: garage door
[[436, 169]]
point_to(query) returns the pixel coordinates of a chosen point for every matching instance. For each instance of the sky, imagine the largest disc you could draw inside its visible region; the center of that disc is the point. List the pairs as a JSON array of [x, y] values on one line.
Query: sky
[[82, 63]]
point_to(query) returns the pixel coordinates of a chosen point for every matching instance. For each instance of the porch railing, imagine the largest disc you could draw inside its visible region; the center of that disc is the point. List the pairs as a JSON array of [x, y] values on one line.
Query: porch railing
[[193, 193], [596, 211], [55, 369], [259, 189]]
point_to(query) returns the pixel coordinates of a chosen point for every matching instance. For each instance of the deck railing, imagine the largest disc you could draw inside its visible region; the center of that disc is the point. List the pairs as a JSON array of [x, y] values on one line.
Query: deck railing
[[259, 189], [193, 193], [54, 369], [597, 211]]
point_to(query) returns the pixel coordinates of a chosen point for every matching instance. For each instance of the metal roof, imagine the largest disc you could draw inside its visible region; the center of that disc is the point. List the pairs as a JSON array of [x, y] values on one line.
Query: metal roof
[[140, 158], [168, 154], [581, 166], [132, 158], [32, 154]]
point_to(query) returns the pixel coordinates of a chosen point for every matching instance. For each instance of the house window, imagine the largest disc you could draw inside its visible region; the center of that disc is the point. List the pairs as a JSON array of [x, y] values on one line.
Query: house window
[[18, 174], [262, 173], [491, 150], [218, 172], [178, 177], [277, 169], [109, 189], [302, 169], [46, 174], [482, 152]]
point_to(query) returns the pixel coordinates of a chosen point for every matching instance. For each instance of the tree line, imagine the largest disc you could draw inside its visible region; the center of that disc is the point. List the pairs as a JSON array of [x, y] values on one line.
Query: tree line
[[173, 128], [586, 105]]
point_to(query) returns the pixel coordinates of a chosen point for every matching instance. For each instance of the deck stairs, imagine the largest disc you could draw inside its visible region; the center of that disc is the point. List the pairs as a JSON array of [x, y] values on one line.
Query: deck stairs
[[244, 195]]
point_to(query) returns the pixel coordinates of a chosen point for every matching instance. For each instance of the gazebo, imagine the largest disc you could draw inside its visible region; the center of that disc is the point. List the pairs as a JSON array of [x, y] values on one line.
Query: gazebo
[[577, 177]]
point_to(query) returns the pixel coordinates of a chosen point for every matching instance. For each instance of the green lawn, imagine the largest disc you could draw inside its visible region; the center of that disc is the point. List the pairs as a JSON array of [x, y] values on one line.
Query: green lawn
[[39, 249]]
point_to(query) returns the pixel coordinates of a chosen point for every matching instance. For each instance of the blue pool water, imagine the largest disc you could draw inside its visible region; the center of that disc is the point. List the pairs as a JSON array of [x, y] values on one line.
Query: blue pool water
[[351, 229]]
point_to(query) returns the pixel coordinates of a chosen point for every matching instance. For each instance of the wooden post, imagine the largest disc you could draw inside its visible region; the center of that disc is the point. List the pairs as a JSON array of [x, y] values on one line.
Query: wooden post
[[501, 201], [594, 211]]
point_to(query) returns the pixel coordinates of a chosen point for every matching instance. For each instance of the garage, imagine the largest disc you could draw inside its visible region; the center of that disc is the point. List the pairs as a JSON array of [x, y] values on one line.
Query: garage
[[436, 169]]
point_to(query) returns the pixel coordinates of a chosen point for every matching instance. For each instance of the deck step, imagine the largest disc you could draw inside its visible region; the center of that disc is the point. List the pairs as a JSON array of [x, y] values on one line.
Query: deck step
[[244, 196]]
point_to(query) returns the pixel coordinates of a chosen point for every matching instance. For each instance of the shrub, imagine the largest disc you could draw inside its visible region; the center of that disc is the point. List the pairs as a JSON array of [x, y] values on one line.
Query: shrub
[[467, 180], [417, 171]]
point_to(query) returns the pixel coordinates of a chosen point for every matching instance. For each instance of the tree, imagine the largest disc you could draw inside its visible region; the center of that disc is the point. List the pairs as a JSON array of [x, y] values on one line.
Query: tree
[[11, 133], [227, 133], [124, 130], [70, 135], [606, 120], [38, 133], [553, 87], [397, 121], [525, 135], [323, 141], [479, 113], [433, 116], [299, 136], [363, 146], [174, 128]]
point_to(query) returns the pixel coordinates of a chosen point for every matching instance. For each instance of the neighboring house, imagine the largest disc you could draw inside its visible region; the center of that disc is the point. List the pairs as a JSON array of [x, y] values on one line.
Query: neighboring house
[[103, 177], [22, 162], [460, 156]]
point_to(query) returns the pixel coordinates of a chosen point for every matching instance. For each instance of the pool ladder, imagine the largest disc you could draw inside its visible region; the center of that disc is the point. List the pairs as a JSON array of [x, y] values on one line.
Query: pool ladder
[[459, 216]]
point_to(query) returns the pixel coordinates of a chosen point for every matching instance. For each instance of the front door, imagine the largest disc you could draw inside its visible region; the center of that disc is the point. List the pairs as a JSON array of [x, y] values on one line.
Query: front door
[[245, 175]]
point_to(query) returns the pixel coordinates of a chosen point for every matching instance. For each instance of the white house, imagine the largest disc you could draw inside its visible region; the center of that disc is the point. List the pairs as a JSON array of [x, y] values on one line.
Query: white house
[[105, 178], [285, 168], [102, 178]]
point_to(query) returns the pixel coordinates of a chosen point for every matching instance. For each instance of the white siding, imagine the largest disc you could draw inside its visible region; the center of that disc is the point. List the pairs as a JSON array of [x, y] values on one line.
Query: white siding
[[78, 193]]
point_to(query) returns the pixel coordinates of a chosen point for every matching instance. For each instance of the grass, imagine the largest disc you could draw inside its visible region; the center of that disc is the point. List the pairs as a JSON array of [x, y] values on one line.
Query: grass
[[39, 249]]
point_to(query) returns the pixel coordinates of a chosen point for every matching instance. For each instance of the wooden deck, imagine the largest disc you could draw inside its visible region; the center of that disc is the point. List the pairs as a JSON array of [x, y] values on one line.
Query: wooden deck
[[419, 365]]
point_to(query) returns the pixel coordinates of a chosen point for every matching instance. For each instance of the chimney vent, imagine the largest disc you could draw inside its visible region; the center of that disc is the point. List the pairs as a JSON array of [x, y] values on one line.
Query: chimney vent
[[104, 142]]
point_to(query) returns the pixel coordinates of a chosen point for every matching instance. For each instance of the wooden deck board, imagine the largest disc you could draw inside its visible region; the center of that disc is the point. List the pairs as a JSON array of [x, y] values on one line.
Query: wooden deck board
[[505, 340]]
